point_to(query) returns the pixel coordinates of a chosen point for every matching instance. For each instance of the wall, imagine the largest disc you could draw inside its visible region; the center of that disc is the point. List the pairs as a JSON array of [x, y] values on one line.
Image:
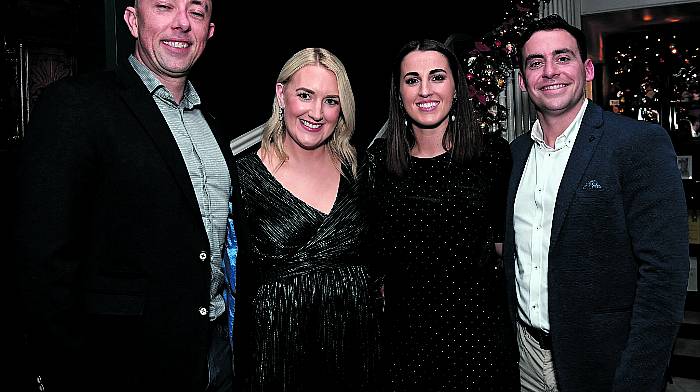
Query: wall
[[598, 6]]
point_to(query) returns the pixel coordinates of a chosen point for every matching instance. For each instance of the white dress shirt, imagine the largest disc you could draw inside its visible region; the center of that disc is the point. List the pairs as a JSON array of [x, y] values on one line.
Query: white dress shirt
[[532, 219]]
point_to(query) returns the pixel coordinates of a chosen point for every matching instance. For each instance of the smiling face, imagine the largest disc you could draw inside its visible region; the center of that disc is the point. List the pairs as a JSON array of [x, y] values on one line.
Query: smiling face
[[171, 34], [427, 89], [554, 74], [311, 104]]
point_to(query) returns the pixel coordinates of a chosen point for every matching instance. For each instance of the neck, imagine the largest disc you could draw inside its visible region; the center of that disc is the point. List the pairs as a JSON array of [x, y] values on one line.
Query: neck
[[309, 161], [554, 124], [428, 142], [297, 154], [176, 86]]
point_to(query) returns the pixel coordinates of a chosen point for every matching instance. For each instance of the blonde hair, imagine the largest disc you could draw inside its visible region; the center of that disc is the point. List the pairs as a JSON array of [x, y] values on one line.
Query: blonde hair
[[342, 152]]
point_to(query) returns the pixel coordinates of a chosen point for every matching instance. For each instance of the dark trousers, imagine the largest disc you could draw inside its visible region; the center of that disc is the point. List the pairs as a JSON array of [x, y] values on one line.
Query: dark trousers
[[220, 357]]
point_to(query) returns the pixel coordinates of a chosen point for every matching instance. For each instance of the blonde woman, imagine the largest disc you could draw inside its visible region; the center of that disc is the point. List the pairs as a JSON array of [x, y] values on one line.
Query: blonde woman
[[304, 305]]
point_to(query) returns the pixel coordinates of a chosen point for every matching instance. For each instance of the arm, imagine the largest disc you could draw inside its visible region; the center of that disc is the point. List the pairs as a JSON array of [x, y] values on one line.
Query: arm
[[657, 223], [498, 201], [499, 248]]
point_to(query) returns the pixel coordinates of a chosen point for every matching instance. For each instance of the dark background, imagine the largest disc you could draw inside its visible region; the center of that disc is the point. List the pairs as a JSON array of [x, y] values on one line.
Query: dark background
[[236, 75], [238, 70]]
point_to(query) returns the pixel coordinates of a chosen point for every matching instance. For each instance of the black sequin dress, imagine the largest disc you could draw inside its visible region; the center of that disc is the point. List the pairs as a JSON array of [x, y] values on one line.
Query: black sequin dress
[[446, 321], [313, 324]]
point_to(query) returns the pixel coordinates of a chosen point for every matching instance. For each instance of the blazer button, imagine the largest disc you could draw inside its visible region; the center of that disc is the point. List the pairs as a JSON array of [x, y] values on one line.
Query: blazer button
[[203, 255], [203, 311]]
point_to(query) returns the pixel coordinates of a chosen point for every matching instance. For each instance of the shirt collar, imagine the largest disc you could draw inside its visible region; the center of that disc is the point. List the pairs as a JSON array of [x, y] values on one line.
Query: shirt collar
[[567, 138], [190, 98]]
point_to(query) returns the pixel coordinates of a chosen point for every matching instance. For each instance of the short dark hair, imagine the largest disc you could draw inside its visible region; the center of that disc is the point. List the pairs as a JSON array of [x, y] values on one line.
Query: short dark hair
[[549, 23]]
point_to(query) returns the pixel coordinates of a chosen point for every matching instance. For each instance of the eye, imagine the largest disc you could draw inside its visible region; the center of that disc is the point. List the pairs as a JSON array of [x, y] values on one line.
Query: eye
[[332, 101], [198, 13], [438, 77], [534, 64], [163, 7], [564, 59], [411, 81], [304, 96]]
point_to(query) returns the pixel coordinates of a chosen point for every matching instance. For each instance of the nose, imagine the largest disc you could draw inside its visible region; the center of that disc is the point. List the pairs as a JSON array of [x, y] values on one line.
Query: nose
[[181, 20], [549, 70], [316, 111], [425, 90]]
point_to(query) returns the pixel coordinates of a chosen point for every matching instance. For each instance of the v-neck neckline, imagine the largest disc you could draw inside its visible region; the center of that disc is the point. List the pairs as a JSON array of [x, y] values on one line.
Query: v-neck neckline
[[278, 184]]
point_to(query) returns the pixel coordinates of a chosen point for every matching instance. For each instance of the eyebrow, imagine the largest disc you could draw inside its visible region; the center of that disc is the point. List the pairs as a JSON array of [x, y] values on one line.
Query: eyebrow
[[310, 91], [554, 52], [432, 72], [200, 2]]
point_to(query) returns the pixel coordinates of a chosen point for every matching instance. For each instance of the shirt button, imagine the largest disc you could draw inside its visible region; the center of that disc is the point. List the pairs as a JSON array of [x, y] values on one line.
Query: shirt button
[[203, 255], [203, 311]]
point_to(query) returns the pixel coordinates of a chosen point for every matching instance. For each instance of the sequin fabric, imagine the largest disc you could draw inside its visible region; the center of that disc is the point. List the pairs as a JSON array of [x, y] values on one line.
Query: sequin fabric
[[313, 319], [446, 325]]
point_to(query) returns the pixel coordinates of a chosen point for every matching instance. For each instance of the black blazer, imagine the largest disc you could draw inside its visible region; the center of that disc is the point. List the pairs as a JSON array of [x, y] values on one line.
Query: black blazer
[[110, 242], [618, 257]]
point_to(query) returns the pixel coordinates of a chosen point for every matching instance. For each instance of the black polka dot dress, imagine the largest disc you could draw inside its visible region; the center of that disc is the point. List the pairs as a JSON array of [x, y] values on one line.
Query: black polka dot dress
[[446, 326]]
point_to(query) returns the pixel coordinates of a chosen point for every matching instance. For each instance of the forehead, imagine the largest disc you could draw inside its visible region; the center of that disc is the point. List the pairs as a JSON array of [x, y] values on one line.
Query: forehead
[[547, 41], [204, 3], [315, 77], [418, 61]]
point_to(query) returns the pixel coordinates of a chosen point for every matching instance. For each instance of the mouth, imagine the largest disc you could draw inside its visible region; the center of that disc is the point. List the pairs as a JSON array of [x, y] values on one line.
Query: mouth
[[552, 87], [427, 106], [177, 44], [310, 126]]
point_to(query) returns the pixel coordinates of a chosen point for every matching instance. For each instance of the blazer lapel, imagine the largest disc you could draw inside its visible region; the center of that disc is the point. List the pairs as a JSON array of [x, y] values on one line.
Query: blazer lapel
[[138, 99], [588, 137]]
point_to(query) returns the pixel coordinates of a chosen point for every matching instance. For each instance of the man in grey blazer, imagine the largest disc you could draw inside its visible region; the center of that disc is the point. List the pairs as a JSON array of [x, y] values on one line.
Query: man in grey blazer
[[596, 248]]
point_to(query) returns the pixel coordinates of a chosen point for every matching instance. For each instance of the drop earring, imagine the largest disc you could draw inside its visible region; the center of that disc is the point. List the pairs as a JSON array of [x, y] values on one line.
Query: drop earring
[[281, 113]]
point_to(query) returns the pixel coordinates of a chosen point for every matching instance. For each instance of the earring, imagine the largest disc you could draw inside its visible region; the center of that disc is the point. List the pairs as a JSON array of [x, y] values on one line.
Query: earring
[[281, 113], [453, 118], [405, 122]]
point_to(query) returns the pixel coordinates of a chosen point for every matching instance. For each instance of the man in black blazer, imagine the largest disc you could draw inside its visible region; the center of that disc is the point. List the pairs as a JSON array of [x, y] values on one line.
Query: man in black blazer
[[124, 188], [596, 248]]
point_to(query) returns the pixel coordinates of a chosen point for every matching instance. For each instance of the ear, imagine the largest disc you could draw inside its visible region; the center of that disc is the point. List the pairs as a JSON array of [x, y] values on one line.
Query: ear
[[132, 22], [211, 30], [521, 81], [590, 70], [279, 92]]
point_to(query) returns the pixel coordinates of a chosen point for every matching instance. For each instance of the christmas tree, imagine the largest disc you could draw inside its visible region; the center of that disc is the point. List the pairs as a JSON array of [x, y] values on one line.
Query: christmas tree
[[492, 59]]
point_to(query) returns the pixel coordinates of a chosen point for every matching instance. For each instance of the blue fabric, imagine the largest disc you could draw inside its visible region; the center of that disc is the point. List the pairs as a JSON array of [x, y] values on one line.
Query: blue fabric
[[229, 264]]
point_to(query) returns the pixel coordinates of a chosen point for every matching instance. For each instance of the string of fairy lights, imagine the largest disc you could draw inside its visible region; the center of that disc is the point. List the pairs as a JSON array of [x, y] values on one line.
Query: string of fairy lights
[[648, 68], [652, 68]]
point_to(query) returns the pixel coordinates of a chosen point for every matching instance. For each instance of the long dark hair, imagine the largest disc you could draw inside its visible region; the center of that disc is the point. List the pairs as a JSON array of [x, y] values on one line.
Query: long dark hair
[[462, 137]]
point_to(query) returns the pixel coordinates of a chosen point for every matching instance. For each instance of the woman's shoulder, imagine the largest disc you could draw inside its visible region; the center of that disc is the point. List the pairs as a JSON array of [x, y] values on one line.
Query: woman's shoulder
[[248, 163], [495, 142], [377, 149], [495, 146]]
